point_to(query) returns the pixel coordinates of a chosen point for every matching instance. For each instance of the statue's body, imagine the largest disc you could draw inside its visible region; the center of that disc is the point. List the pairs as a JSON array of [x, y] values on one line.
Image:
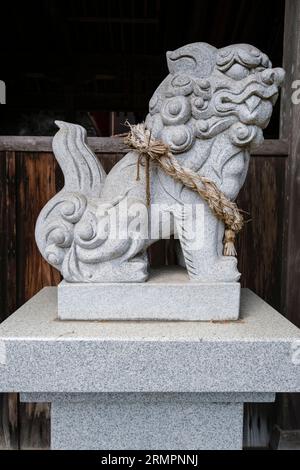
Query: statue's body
[[210, 110]]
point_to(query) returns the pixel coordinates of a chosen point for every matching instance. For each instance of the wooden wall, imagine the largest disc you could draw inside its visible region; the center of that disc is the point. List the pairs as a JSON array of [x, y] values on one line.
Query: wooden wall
[[29, 178]]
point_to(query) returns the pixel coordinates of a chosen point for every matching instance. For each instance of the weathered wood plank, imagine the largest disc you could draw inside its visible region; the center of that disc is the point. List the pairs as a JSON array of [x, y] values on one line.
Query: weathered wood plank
[[36, 185], [9, 421], [8, 401], [288, 414], [3, 236], [108, 145], [8, 235], [289, 62], [260, 242], [272, 148], [289, 405], [290, 124], [108, 160], [114, 145], [259, 420], [34, 427]]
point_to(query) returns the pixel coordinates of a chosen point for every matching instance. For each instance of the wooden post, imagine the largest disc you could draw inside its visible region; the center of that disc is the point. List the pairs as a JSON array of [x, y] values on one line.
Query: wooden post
[[289, 129], [289, 409]]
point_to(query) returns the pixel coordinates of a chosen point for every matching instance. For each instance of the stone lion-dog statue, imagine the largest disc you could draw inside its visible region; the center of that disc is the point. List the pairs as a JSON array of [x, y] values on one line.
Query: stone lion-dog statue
[[210, 111]]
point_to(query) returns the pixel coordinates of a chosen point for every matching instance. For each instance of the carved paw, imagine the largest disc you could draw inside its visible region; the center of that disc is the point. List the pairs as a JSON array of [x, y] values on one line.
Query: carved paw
[[222, 269], [226, 266], [136, 270]]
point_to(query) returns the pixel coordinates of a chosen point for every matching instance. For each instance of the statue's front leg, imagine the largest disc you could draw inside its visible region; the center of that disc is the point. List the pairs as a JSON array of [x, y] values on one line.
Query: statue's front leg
[[203, 254]]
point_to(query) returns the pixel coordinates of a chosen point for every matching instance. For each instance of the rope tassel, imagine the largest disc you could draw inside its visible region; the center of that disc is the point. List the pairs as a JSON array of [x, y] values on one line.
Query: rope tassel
[[139, 138], [229, 238]]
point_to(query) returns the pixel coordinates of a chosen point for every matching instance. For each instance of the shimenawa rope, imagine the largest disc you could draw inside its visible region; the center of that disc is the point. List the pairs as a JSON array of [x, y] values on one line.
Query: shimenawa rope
[[139, 139]]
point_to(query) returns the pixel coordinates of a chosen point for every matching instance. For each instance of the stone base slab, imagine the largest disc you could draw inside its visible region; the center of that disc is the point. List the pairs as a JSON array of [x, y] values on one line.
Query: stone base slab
[[167, 295], [138, 384], [122, 421], [39, 353]]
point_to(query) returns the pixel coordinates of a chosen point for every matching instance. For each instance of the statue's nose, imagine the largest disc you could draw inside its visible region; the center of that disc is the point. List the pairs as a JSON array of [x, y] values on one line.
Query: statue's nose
[[273, 76]]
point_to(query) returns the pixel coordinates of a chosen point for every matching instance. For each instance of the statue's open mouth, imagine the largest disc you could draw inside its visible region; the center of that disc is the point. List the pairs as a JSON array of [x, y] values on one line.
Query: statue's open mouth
[[252, 97], [254, 101]]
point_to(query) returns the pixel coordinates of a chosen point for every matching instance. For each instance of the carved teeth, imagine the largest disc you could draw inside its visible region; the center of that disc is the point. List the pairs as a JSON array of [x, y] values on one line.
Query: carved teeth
[[252, 102]]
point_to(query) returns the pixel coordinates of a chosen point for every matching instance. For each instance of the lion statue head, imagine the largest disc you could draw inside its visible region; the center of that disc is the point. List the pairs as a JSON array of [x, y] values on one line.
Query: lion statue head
[[211, 90]]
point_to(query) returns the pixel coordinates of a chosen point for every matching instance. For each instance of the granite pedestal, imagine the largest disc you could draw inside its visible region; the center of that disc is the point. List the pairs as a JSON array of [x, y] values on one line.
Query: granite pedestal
[[169, 294], [150, 385]]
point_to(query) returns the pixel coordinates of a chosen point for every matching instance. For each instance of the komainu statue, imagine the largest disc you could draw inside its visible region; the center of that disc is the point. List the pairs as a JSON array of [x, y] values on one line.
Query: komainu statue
[[208, 112]]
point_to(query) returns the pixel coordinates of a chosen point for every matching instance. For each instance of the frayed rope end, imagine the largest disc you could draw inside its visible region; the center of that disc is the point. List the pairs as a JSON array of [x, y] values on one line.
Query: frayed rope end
[[229, 248]]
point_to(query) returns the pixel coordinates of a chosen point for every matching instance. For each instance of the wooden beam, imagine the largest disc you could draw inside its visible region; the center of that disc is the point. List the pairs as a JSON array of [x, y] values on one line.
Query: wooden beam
[[114, 145], [272, 148], [115, 20], [44, 144]]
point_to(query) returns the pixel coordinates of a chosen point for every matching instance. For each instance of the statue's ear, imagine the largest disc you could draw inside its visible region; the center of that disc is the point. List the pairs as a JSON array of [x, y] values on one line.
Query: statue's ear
[[178, 62], [198, 58]]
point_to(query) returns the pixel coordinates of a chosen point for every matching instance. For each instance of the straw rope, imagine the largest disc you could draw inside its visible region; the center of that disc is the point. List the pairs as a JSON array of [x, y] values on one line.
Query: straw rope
[[139, 139]]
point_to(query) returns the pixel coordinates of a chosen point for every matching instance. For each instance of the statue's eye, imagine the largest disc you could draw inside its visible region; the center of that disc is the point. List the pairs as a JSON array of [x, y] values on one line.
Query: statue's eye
[[238, 71]]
